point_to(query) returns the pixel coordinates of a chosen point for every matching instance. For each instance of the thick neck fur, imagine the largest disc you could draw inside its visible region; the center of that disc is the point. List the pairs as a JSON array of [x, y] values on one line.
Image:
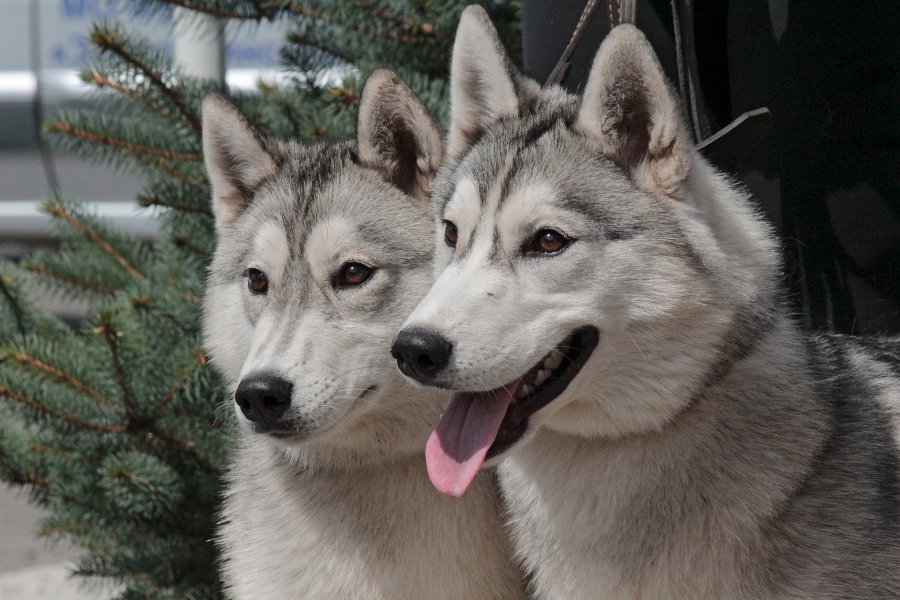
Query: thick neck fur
[[697, 494], [341, 522]]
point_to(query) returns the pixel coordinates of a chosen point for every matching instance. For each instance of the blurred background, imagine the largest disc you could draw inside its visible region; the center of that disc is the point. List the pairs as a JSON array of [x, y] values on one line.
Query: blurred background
[[43, 47]]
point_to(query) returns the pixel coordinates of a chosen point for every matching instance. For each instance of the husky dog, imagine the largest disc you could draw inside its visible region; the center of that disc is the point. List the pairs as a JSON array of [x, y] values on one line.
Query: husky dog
[[322, 251], [609, 311]]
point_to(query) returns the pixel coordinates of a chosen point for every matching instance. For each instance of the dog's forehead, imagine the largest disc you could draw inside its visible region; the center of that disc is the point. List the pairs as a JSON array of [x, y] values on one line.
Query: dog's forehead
[[542, 152], [527, 172], [329, 206], [290, 195]]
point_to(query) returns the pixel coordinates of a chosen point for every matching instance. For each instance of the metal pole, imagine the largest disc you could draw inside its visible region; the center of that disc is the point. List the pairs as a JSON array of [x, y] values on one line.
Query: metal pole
[[199, 45]]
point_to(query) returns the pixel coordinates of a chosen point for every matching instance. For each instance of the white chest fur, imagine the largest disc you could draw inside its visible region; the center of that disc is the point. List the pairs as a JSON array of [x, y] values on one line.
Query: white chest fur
[[382, 532]]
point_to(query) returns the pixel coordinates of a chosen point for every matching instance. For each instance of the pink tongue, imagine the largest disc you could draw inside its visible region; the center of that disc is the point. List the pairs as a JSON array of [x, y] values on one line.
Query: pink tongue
[[459, 443]]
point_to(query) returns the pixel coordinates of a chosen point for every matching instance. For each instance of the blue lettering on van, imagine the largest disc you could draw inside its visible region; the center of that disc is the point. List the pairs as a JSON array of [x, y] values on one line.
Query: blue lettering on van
[[86, 9]]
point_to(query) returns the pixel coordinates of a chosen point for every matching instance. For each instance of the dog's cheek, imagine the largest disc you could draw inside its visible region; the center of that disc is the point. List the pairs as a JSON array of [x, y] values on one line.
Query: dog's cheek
[[227, 330]]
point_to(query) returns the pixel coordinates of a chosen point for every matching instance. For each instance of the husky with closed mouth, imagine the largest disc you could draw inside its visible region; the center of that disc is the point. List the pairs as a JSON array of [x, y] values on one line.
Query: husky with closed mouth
[[609, 312], [323, 250]]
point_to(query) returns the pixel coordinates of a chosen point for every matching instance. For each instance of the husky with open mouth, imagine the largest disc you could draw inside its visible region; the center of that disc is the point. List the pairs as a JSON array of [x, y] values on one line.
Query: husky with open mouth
[[322, 251], [609, 313]]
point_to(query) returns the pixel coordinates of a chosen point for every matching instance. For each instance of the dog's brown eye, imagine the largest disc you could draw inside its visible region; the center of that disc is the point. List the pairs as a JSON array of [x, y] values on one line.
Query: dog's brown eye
[[548, 241], [257, 281], [450, 234], [353, 273]]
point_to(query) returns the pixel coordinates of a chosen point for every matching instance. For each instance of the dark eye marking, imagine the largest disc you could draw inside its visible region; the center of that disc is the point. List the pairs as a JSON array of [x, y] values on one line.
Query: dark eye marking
[[451, 235], [257, 282], [352, 274], [547, 242]]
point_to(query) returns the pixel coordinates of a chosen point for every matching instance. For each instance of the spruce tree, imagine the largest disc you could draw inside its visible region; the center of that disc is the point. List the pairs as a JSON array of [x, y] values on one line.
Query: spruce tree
[[118, 426]]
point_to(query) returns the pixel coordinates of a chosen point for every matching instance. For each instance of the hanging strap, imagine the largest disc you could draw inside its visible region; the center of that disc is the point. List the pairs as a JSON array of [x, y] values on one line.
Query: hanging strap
[[722, 148], [561, 70], [619, 11]]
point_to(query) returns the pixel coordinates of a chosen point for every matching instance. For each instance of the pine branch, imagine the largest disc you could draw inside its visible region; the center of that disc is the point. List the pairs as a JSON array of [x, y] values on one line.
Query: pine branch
[[170, 395], [132, 147], [110, 335], [28, 477], [179, 175], [64, 378], [303, 39], [182, 242], [68, 280], [110, 42], [51, 531], [13, 303], [65, 418], [187, 448], [58, 211], [101, 81], [409, 26], [44, 449]]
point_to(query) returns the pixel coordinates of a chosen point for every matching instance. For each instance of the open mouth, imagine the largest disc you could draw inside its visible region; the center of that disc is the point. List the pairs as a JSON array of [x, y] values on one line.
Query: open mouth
[[481, 425]]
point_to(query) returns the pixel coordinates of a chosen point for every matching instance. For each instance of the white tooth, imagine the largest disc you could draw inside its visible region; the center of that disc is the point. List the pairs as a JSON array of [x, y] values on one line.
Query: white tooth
[[521, 393], [527, 389], [542, 376], [554, 360]]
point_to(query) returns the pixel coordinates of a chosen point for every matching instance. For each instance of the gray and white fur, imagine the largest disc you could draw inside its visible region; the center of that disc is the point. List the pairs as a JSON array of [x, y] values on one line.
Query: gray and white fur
[[710, 448], [330, 498]]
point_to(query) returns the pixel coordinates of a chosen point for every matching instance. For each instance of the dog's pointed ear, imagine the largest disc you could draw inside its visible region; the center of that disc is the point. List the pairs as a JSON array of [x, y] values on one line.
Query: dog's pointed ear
[[483, 81], [630, 107], [236, 156], [397, 135]]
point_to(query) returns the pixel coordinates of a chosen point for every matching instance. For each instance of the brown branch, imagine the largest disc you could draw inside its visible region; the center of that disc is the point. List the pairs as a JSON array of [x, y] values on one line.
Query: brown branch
[[175, 173], [184, 243], [305, 40], [5, 391], [43, 449], [110, 43], [408, 25], [103, 82], [16, 309], [59, 530], [29, 478], [109, 334], [117, 143], [302, 11], [188, 448], [70, 280], [100, 81], [62, 377], [57, 211], [194, 364]]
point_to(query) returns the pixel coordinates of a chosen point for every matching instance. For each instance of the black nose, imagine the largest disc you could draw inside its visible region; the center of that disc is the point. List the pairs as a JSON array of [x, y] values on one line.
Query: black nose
[[421, 353], [264, 397]]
